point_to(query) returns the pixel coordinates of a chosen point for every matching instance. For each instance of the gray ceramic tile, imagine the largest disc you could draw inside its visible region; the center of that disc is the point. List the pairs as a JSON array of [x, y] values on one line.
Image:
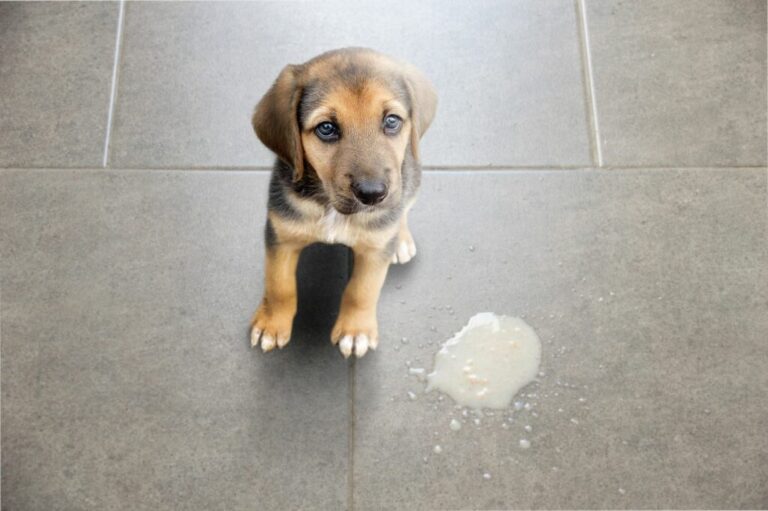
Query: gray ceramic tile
[[127, 377], [55, 76], [680, 83], [648, 290], [508, 76]]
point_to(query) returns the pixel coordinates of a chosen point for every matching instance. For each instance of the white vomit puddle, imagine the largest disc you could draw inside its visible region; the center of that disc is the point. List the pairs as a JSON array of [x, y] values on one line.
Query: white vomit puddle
[[487, 362]]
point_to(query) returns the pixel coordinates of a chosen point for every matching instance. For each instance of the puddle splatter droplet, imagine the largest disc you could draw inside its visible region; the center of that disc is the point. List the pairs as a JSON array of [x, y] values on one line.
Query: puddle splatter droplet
[[455, 425], [487, 476], [417, 371], [525, 444], [467, 370], [437, 449]]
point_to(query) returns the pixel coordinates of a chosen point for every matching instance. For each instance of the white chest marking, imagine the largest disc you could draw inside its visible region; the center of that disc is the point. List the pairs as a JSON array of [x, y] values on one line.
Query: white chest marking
[[334, 227]]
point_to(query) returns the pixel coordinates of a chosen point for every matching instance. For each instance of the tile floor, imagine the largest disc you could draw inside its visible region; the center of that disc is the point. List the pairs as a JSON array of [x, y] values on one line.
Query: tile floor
[[610, 162]]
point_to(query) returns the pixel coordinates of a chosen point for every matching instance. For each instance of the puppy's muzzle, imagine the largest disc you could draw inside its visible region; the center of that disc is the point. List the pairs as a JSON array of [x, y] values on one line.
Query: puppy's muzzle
[[369, 191]]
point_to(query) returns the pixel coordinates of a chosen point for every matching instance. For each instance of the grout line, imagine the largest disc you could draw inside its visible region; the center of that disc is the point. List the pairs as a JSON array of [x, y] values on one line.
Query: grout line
[[214, 168], [604, 168], [1, 397], [113, 91], [351, 423], [589, 83], [429, 169], [500, 167], [351, 437]]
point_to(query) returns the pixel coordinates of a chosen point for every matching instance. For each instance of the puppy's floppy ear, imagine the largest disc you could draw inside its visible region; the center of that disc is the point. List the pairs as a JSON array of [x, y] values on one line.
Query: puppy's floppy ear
[[423, 104], [275, 119]]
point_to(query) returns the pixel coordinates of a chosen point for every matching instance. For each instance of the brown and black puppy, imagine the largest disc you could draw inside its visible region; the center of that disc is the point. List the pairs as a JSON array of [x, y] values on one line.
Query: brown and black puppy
[[345, 127]]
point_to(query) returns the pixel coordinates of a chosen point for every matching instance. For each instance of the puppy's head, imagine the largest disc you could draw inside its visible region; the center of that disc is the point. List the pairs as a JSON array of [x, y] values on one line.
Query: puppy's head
[[352, 115]]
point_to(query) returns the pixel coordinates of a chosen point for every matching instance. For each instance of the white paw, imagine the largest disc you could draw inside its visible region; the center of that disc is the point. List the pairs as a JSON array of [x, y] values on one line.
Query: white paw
[[405, 251], [268, 341], [359, 344]]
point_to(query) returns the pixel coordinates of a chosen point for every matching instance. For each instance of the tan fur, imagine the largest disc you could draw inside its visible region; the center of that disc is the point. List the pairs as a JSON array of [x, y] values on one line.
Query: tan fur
[[274, 318], [358, 305]]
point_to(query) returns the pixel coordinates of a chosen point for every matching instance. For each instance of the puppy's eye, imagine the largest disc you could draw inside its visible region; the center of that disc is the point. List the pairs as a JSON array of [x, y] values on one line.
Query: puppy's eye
[[327, 132], [392, 124]]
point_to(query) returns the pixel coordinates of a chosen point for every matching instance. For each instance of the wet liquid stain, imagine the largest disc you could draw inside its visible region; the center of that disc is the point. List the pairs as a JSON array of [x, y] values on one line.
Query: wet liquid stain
[[487, 362]]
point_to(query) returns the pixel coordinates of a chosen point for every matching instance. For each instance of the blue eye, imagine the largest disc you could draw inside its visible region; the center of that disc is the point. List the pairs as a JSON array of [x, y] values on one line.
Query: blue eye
[[327, 131], [392, 124]]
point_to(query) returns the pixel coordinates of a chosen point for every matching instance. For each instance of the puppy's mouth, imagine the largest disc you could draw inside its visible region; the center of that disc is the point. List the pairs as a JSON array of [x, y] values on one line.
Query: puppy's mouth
[[347, 206]]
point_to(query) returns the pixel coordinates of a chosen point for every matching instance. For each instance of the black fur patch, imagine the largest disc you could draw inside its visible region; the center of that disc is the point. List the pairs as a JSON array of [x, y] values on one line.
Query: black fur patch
[[311, 99], [282, 184], [270, 237], [354, 75], [278, 202], [385, 219]]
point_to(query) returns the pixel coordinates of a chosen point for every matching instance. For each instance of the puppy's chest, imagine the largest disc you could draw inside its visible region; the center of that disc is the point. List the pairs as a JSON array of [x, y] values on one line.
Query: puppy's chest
[[333, 227]]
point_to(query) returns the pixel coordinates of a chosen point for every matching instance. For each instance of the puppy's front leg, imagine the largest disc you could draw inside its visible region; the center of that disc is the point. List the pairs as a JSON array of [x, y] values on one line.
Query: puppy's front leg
[[273, 321], [406, 247], [356, 327]]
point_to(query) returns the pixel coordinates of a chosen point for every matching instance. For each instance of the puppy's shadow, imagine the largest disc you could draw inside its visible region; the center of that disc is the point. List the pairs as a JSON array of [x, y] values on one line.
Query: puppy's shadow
[[321, 277]]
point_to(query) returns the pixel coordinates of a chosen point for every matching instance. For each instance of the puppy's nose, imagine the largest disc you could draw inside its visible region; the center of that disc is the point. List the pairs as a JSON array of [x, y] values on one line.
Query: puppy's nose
[[369, 192]]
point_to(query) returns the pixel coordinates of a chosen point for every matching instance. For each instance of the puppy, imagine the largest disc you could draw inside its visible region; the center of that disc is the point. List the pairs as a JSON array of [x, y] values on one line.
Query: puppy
[[345, 127]]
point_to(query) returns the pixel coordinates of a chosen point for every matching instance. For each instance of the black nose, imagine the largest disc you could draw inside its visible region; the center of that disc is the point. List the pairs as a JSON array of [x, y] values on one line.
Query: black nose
[[369, 192]]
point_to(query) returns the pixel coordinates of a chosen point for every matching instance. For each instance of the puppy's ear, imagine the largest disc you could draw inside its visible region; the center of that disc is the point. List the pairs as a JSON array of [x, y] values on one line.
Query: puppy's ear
[[423, 105], [275, 119]]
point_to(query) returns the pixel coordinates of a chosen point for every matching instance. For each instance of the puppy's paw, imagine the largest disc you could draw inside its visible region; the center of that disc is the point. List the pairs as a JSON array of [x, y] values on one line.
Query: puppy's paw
[[271, 330], [355, 332], [405, 249]]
